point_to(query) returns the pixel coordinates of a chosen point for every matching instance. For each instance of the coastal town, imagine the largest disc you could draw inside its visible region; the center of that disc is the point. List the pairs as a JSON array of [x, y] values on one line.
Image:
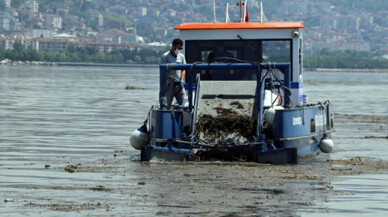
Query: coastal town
[[110, 25]]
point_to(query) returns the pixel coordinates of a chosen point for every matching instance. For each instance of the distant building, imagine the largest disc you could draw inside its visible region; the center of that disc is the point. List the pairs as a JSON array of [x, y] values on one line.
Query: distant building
[[41, 33], [93, 14], [32, 6], [50, 45], [7, 3], [53, 21], [4, 23], [148, 24], [117, 36], [6, 43], [142, 11], [346, 22], [100, 20], [14, 24], [31, 43]]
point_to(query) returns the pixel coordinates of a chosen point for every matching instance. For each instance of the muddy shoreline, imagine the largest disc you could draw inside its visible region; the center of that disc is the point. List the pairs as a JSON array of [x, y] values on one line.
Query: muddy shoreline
[[211, 188]]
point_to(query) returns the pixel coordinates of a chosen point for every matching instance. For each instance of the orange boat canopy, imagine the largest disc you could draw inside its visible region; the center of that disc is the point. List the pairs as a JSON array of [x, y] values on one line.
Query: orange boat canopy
[[249, 25]]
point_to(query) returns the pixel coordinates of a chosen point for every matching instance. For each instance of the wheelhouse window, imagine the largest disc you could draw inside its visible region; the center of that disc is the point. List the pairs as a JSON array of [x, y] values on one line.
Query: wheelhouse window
[[210, 51]]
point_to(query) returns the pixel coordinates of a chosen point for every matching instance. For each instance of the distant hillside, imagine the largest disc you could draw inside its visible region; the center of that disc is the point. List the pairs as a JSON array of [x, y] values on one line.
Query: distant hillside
[[370, 5]]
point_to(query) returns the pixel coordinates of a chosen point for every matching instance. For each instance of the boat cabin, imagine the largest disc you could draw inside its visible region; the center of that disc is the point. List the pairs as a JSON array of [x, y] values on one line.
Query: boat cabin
[[260, 42]]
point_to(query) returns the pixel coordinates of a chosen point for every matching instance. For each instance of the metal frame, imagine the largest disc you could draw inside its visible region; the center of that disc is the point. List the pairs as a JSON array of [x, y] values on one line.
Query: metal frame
[[283, 67], [181, 149]]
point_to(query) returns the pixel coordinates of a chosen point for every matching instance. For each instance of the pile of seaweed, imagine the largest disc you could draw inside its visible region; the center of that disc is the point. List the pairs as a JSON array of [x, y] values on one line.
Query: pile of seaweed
[[223, 154], [227, 122]]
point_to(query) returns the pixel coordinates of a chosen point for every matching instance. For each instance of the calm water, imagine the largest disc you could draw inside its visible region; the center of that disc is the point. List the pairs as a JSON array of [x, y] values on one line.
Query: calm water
[[364, 94], [50, 113]]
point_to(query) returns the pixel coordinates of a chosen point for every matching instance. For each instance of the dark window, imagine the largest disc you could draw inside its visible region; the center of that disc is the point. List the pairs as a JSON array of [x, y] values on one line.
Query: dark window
[[210, 51]]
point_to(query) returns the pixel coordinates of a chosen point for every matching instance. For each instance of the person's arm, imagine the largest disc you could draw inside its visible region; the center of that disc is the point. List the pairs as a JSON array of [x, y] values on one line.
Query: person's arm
[[183, 75]]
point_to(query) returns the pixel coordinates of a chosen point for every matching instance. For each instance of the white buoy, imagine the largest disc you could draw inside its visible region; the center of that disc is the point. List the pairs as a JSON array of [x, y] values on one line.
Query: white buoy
[[270, 114], [326, 145], [139, 138]]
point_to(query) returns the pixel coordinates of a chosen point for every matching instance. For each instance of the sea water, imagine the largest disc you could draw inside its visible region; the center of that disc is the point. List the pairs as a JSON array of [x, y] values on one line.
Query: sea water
[[363, 97], [48, 114]]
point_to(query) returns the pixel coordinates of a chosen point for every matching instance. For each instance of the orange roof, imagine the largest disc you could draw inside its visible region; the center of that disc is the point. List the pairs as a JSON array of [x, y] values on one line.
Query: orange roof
[[249, 25]]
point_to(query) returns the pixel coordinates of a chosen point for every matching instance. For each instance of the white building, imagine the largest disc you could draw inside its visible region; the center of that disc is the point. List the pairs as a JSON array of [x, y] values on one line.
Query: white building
[[142, 11], [33, 6], [7, 3], [53, 21], [41, 33], [100, 20], [4, 23]]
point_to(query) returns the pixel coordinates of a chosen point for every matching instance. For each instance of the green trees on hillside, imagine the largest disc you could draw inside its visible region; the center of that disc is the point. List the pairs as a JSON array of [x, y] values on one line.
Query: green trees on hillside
[[344, 59], [321, 59], [77, 54]]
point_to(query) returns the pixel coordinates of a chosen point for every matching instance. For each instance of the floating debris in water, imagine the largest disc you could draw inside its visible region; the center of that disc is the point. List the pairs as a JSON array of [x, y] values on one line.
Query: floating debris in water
[[7, 200], [85, 169], [128, 87], [72, 168], [99, 188], [376, 137], [67, 207]]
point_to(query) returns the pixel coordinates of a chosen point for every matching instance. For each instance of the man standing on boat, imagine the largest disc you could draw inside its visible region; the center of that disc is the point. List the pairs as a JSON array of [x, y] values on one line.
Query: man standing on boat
[[176, 78]]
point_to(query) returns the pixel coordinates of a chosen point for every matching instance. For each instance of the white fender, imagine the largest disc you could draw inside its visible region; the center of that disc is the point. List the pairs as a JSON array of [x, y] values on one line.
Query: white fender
[[139, 138], [326, 145]]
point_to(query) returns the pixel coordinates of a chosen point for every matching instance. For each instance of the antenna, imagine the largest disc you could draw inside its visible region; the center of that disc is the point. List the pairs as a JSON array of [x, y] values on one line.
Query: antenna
[[262, 16], [214, 11], [227, 20]]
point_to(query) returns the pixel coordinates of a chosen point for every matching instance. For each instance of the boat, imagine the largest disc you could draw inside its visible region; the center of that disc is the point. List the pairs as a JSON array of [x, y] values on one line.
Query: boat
[[245, 99]]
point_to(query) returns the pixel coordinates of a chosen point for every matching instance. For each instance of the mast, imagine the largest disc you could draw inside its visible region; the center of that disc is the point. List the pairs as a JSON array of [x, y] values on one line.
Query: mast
[[261, 11], [240, 4], [262, 16], [227, 20]]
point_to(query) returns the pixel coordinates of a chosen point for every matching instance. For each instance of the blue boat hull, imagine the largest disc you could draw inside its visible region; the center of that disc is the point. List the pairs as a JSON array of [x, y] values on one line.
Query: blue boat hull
[[284, 134]]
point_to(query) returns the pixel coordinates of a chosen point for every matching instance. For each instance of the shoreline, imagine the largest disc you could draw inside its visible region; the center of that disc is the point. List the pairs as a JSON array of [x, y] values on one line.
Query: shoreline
[[104, 64], [82, 64], [345, 70], [157, 65]]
